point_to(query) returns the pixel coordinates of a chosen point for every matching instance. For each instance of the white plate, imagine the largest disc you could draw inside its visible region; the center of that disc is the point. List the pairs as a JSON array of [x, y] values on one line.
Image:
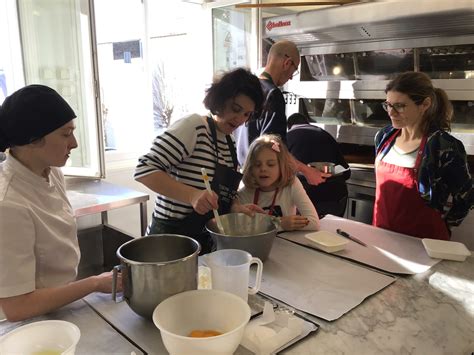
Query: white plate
[[327, 241], [444, 249]]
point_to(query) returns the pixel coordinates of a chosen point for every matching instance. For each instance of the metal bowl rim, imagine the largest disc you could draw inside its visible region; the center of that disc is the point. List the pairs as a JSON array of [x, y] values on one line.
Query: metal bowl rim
[[169, 262]]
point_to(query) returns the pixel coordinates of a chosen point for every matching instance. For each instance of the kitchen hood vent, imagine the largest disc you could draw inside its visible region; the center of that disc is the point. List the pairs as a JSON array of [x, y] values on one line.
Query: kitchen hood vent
[[374, 21]]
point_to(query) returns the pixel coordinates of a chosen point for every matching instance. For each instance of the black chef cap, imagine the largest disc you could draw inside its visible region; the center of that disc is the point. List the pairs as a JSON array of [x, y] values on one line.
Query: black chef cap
[[31, 113]]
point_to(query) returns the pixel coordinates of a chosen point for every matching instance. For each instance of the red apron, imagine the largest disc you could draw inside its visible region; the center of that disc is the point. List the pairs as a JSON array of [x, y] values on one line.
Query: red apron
[[398, 204]]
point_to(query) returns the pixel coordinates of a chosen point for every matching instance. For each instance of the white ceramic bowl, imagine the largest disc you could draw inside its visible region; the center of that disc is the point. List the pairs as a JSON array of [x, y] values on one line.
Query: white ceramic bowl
[[216, 310], [49, 336]]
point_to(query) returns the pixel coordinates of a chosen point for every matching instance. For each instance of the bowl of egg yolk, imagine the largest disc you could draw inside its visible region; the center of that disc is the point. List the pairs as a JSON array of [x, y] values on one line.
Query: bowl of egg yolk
[[207, 322]]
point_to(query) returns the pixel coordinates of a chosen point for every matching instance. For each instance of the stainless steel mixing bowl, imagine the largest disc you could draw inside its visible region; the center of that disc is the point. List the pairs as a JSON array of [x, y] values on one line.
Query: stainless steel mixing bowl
[[252, 234], [157, 267]]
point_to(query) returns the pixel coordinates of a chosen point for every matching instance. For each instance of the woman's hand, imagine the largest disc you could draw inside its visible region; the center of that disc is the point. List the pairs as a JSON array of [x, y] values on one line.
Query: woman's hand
[[104, 282], [203, 201], [290, 223]]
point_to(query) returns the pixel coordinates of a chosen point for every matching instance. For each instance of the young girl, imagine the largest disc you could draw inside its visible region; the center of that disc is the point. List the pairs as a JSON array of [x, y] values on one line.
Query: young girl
[[269, 179]]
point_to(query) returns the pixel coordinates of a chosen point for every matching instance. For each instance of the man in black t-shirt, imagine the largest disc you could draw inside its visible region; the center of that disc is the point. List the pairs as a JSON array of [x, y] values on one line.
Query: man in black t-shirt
[[282, 64]]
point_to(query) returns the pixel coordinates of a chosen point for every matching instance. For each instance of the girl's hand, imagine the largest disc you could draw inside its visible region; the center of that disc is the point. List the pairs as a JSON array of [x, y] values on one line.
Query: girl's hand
[[290, 223], [203, 201], [248, 209]]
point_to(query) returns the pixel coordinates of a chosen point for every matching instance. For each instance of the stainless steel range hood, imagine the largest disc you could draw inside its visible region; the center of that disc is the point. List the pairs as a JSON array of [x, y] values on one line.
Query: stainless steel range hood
[[374, 21]]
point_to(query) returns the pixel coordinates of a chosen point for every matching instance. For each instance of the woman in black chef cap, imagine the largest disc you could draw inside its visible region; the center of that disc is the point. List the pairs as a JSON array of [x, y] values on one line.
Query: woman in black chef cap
[[39, 252]]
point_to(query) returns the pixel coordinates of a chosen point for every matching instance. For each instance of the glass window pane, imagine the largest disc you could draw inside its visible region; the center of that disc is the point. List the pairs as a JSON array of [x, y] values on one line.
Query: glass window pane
[[329, 111], [328, 67], [448, 62], [231, 34], [180, 60], [56, 46], [11, 67], [370, 113], [384, 64]]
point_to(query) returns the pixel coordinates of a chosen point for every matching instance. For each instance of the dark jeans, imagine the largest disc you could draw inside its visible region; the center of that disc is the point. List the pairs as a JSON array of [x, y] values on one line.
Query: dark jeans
[[177, 226]]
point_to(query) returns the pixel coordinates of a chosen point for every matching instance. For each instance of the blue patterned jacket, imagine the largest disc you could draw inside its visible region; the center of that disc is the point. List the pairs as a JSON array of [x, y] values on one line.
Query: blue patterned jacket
[[444, 181]]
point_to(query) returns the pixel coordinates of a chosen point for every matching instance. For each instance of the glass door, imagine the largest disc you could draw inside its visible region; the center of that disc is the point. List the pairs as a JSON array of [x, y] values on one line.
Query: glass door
[[57, 42], [232, 32]]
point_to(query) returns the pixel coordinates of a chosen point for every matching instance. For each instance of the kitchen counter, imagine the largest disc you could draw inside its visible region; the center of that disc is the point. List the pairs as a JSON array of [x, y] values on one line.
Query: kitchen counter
[[97, 196], [427, 313], [97, 336]]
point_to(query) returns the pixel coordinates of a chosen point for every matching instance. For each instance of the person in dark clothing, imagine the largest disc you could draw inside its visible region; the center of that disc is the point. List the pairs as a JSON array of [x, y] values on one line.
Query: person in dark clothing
[[282, 65], [309, 144]]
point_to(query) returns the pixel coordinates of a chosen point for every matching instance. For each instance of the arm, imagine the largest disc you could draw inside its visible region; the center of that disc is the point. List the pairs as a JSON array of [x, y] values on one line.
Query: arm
[[167, 152], [313, 176], [160, 182], [304, 205], [45, 300], [242, 203], [19, 296], [455, 177]]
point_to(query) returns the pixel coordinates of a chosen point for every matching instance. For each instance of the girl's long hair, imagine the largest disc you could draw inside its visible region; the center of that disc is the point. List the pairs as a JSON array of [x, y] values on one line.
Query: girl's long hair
[[285, 160]]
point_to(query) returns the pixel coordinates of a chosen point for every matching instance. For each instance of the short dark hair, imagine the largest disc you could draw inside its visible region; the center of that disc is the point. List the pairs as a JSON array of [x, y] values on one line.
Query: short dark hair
[[297, 118], [239, 81]]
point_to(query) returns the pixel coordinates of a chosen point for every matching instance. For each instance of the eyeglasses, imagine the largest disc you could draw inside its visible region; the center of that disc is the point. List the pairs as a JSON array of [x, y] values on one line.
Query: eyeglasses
[[296, 72], [397, 106]]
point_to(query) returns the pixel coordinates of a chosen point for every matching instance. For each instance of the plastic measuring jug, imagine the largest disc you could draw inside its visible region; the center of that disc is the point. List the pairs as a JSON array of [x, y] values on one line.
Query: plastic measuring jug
[[230, 269]]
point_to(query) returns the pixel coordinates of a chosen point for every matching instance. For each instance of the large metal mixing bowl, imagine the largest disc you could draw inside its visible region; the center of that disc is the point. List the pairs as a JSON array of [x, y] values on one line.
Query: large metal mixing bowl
[[155, 268], [252, 234]]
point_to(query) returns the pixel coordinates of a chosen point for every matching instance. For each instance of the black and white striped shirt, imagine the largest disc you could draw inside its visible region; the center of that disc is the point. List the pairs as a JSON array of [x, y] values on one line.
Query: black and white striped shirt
[[181, 151]]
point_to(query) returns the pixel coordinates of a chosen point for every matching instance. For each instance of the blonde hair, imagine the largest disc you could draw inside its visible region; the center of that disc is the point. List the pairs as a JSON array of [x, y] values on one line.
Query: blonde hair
[[286, 161]]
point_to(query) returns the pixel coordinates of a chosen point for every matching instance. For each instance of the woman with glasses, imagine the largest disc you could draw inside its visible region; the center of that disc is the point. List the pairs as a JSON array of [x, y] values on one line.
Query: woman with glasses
[[423, 183], [172, 167]]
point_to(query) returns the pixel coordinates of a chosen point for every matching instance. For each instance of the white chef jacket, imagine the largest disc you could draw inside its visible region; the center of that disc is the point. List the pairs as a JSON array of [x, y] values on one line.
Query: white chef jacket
[[38, 232]]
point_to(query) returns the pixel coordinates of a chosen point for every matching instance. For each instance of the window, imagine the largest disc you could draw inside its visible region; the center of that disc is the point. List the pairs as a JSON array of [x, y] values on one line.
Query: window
[[154, 65], [57, 52], [232, 38]]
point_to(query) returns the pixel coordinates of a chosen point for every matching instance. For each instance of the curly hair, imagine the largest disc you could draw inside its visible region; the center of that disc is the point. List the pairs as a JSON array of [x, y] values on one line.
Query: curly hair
[[239, 81], [286, 161]]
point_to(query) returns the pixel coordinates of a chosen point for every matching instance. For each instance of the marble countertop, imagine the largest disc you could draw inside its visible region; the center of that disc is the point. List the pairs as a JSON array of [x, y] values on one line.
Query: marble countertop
[[428, 313]]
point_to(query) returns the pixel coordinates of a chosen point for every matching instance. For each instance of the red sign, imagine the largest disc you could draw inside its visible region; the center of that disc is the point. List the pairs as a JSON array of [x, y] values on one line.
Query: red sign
[[271, 25]]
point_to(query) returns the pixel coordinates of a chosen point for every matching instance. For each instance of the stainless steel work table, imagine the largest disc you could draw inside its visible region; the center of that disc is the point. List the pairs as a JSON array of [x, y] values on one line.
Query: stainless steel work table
[[98, 243], [428, 313], [96, 196]]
